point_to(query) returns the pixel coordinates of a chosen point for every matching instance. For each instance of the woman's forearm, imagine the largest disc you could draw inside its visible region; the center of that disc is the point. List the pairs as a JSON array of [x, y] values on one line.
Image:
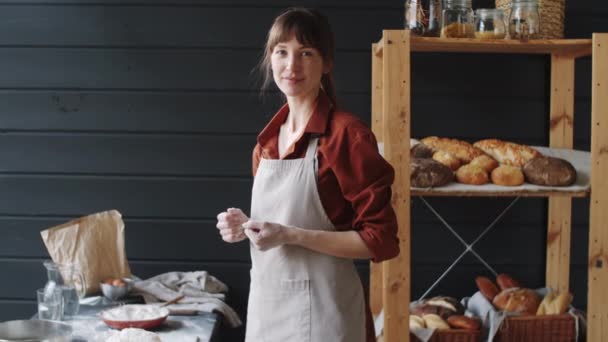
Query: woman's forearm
[[346, 244]]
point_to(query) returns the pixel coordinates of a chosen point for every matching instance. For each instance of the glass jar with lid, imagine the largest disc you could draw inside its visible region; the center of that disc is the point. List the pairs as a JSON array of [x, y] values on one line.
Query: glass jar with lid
[[490, 24], [457, 19], [423, 17], [524, 21]]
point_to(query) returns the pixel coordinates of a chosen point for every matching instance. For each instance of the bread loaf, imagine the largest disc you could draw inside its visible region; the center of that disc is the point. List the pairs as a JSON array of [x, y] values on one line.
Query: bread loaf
[[549, 171], [461, 149], [464, 322], [442, 306], [506, 282], [507, 175], [433, 321], [416, 322], [517, 300], [485, 162], [447, 159], [420, 150], [426, 173], [487, 287], [554, 303], [471, 174], [506, 152]]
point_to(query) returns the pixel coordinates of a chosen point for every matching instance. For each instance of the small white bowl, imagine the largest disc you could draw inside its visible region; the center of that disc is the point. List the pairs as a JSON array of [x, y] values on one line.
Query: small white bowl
[[116, 292]]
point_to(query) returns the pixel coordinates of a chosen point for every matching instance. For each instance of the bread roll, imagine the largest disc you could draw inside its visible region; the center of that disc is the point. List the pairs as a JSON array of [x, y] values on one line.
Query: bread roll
[[420, 150], [471, 174], [506, 282], [506, 152], [464, 322], [517, 300], [554, 303], [416, 322], [426, 173], [433, 321], [487, 287], [550, 171], [485, 162], [507, 175], [447, 159], [461, 149]]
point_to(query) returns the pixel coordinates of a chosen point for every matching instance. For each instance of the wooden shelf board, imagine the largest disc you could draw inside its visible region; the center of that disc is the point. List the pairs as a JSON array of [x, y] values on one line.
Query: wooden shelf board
[[566, 47], [522, 193]]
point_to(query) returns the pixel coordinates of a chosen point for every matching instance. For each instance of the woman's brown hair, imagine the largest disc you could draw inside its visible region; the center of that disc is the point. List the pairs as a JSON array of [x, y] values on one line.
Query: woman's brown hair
[[311, 28]]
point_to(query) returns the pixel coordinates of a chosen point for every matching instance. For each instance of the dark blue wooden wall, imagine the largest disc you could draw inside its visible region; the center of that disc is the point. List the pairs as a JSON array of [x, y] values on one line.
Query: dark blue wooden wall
[[150, 107]]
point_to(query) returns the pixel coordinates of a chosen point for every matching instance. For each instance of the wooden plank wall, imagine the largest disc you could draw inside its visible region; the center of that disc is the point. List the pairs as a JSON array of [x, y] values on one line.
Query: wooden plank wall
[[150, 107]]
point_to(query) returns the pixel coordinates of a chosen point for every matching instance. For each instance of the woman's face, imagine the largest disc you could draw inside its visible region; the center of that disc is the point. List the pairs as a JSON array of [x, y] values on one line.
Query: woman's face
[[297, 69]]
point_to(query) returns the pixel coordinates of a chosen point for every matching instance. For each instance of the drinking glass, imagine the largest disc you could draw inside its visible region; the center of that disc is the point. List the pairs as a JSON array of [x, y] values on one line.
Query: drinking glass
[[50, 303]]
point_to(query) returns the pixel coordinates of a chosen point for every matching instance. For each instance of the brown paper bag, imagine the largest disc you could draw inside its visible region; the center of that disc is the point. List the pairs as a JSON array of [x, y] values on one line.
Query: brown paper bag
[[96, 242]]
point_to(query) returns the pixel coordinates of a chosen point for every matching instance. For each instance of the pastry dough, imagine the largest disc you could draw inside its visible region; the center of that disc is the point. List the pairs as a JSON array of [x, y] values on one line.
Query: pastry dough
[[461, 149], [506, 152]]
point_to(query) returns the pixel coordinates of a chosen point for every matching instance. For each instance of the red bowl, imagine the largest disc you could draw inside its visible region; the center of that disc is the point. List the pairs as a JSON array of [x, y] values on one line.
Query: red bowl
[[141, 324]]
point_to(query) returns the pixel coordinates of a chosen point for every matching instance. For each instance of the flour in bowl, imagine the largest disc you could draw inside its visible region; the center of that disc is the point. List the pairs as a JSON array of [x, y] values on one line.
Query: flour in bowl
[[134, 313], [134, 335]]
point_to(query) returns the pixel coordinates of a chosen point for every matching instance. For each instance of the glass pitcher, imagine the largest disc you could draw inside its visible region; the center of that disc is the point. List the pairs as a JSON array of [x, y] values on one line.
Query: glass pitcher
[[69, 278]]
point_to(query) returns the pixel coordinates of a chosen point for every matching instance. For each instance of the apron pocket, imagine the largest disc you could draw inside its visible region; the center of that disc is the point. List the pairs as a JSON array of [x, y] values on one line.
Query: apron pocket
[[285, 308]]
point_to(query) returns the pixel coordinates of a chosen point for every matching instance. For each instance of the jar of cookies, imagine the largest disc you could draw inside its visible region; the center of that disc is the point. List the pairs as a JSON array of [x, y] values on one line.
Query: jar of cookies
[[457, 19], [490, 24], [524, 21]]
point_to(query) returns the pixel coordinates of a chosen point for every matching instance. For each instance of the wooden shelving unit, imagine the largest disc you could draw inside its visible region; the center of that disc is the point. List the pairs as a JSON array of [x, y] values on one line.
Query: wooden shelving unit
[[390, 281]]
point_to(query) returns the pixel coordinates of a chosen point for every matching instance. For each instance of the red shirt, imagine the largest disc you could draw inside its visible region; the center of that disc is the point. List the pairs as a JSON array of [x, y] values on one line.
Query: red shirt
[[354, 180]]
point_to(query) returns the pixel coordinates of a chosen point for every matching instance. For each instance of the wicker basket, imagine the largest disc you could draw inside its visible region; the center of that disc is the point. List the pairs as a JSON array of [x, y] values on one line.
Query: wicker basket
[[452, 335], [549, 328], [552, 14]]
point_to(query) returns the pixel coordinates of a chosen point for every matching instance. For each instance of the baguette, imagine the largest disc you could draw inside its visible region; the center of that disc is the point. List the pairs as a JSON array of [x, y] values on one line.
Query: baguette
[[464, 322], [487, 288], [506, 282]]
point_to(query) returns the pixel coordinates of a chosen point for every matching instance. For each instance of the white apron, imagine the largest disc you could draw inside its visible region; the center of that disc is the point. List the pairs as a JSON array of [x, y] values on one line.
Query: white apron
[[298, 295]]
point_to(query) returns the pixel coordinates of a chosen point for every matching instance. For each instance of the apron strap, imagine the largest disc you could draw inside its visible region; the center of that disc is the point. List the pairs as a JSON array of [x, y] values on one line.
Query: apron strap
[[311, 151]]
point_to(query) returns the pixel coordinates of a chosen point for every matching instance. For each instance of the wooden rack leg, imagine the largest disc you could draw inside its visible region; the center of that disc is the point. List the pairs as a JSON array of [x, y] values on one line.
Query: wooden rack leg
[[396, 131], [560, 208], [597, 301], [375, 270]]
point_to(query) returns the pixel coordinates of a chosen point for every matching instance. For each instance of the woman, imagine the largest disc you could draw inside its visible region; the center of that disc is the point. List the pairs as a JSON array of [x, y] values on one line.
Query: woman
[[321, 198]]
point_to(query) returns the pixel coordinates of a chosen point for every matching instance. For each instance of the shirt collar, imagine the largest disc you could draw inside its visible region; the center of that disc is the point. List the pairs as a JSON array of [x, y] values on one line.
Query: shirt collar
[[317, 124]]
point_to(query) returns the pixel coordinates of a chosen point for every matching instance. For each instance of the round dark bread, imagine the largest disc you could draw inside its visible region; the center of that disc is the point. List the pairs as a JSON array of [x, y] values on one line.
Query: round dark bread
[[426, 173], [421, 150], [549, 171]]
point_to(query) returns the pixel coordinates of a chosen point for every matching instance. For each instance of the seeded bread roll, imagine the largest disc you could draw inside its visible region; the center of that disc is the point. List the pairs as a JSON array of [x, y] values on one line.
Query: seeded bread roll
[[447, 159], [507, 175], [472, 174], [485, 162], [461, 149], [550, 171], [506, 152], [427, 173]]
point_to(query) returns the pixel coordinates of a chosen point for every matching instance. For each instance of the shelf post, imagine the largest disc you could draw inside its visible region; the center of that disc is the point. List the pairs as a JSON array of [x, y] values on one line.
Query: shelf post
[[375, 270], [559, 214], [396, 137], [597, 300]]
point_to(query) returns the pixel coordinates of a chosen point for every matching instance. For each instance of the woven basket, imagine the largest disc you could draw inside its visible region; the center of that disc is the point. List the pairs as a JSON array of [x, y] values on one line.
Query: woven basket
[[452, 335], [549, 328], [552, 14]]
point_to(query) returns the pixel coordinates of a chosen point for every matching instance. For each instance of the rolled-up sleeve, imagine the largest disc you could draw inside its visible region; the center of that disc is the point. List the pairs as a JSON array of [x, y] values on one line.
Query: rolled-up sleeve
[[365, 178]]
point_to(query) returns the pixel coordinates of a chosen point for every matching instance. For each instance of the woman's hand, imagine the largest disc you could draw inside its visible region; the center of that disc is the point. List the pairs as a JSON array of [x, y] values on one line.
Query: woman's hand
[[230, 224], [266, 235]]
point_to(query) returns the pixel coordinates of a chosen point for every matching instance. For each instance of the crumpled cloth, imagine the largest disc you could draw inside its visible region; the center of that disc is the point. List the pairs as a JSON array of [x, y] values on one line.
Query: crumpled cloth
[[202, 292]]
